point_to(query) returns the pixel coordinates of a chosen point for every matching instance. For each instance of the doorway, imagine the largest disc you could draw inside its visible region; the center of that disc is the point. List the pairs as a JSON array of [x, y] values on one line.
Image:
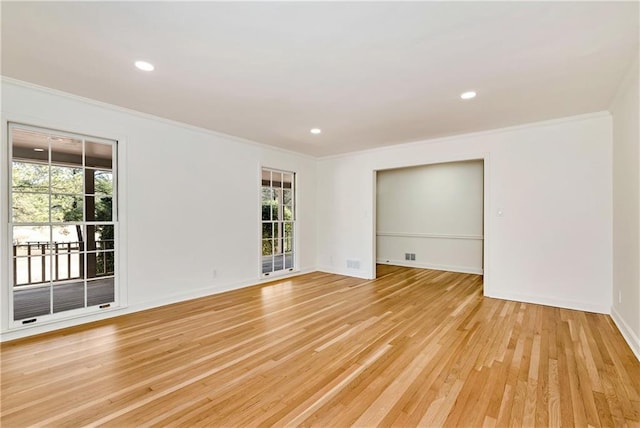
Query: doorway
[[431, 216]]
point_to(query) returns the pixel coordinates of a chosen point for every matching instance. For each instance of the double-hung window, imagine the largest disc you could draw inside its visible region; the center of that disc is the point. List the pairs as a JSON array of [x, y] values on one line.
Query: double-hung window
[[63, 224], [278, 221]]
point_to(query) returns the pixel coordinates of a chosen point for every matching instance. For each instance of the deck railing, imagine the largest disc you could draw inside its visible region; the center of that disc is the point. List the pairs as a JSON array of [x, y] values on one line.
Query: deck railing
[[32, 262]]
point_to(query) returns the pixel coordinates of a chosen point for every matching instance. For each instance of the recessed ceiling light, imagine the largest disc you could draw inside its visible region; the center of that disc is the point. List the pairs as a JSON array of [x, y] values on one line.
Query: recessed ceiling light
[[144, 65], [37, 149], [468, 95], [316, 131]]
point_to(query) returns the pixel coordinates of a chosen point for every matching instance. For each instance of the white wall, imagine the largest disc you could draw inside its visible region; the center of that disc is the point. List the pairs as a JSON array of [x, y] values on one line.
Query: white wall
[[626, 209], [432, 211], [189, 200], [190, 204], [551, 182]]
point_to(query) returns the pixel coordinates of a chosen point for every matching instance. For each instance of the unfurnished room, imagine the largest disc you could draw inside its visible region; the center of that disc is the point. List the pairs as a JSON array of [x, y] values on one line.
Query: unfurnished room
[[320, 213]]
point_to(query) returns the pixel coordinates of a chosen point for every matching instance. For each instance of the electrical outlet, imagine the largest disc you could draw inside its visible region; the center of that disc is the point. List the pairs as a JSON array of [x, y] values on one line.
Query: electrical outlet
[[214, 274], [619, 296]]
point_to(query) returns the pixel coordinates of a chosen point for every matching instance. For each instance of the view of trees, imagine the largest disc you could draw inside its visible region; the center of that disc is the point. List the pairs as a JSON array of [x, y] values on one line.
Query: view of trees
[[40, 191], [272, 221]]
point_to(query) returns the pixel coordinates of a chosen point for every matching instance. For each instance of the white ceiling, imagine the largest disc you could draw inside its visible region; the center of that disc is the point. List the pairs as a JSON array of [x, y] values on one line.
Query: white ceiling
[[368, 73]]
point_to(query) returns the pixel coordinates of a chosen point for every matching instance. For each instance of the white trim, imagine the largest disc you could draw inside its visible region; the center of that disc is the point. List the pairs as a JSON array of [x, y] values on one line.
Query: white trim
[[206, 291], [549, 301], [359, 273], [469, 135], [50, 91], [6, 250], [281, 275], [52, 317], [485, 157], [627, 333], [447, 268], [390, 146], [430, 235], [294, 221]]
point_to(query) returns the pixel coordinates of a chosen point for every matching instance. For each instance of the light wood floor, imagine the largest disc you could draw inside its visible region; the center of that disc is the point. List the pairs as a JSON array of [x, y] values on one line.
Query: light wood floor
[[412, 348]]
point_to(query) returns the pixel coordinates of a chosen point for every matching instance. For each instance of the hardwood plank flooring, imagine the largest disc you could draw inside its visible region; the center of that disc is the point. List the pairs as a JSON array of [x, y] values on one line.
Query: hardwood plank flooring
[[414, 347]]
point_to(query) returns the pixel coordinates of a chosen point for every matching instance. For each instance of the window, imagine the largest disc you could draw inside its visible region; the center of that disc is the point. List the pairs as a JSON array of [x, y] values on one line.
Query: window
[[278, 221], [63, 223]]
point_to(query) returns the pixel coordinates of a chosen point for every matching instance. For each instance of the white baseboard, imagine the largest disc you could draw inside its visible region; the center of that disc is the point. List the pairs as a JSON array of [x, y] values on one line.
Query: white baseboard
[[550, 301], [405, 263], [45, 327], [357, 273], [629, 336], [209, 290]]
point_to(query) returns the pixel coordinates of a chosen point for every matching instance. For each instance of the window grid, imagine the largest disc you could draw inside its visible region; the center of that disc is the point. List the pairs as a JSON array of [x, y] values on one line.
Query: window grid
[[278, 221], [68, 268]]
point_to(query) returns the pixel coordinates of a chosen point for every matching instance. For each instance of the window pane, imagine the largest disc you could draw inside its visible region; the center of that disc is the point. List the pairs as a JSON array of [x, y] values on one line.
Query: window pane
[[267, 247], [25, 236], [266, 177], [31, 302], [98, 155], [288, 213], [266, 212], [100, 291], [103, 182], [31, 270], [30, 177], [100, 237], [288, 261], [267, 264], [266, 195], [67, 264], [30, 207], [267, 231], [66, 208], [68, 296], [66, 180], [66, 150], [100, 264], [103, 207], [276, 179], [278, 262], [287, 198], [67, 234], [287, 181], [288, 237], [105, 237], [30, 145]]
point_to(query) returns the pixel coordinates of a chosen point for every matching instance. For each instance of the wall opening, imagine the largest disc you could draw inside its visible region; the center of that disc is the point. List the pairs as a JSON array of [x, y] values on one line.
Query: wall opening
[[431, 216]]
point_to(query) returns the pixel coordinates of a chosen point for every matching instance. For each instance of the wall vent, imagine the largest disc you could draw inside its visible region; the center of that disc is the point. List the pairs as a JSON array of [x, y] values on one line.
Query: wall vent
[[409, 256], [353, 264]]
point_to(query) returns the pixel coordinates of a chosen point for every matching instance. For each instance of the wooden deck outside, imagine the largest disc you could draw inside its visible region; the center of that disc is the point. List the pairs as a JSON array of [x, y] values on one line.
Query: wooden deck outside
[[411, 348], [36, 301]]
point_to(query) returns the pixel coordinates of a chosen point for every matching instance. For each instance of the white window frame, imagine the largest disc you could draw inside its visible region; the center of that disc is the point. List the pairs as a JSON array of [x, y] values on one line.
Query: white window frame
[[79, 312], [294, 220]]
